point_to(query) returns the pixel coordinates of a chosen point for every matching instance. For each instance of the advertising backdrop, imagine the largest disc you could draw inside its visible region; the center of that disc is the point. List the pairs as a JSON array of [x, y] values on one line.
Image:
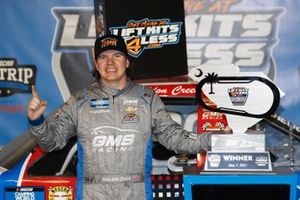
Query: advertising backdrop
[[47, 43]]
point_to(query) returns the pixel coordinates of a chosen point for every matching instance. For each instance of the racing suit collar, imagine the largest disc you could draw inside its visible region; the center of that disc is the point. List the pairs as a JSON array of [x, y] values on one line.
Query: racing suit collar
[[113, 91]]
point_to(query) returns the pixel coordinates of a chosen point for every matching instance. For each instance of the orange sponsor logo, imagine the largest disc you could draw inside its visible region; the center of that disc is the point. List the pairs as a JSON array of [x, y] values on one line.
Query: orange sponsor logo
[[108, 42]]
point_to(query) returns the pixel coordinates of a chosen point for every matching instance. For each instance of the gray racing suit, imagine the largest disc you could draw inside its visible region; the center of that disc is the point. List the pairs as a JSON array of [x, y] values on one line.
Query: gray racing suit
[[115, 129]]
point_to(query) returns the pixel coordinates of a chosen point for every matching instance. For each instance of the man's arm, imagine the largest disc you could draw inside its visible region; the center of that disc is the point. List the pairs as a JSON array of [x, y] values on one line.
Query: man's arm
[[51, 133], [172, 135]]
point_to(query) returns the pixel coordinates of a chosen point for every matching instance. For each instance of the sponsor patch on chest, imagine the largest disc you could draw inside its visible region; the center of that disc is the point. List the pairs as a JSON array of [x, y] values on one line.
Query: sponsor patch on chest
[[99, 103], [130, 106]]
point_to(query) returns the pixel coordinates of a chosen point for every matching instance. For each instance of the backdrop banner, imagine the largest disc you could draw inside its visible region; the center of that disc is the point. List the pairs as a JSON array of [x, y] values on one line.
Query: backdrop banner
[[48, 43]]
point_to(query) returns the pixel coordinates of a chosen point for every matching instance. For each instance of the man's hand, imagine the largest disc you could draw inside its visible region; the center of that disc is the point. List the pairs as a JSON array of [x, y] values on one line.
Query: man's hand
[[226, 130], [36, 107]]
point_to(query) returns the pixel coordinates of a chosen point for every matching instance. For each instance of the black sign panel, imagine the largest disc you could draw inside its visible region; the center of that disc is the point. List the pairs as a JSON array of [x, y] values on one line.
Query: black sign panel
[[154, 31]]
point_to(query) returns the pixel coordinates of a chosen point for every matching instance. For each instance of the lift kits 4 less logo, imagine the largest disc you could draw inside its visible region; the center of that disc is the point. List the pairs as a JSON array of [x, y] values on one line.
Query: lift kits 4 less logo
[[148, 34]]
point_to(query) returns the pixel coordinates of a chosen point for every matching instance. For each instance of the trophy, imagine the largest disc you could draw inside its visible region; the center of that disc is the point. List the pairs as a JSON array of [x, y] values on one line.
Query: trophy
[[242, 99]]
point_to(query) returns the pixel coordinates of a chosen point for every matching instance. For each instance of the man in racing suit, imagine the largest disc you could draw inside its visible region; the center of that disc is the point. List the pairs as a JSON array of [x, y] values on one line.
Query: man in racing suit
[[115, 121]]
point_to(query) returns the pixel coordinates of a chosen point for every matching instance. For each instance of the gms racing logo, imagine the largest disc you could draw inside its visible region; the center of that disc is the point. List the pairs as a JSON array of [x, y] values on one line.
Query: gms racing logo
[[105, 141], [148, 34], [15, 78]]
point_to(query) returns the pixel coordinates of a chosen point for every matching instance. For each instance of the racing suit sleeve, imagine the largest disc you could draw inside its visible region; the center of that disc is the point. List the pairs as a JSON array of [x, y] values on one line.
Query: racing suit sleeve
[[54, 132], [172, 135]]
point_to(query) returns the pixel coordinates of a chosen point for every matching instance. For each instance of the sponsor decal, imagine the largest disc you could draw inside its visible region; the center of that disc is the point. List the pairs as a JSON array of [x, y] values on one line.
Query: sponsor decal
[[214, 160], [100, 103], [112, 139], [191, 136], [32, 193], [109, 42], [211, 126], [130, 101], [174, 90], [148, 34], [130, 105], [60, 193], [210, 121], [15, 78], [113, 178], [99, 111], [238, 95], [130, 118], [132, 178], [211, 115], [261, 161]]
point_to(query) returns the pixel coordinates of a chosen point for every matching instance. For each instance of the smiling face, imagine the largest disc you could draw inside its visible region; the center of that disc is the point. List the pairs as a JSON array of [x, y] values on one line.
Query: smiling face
[[112, 65]]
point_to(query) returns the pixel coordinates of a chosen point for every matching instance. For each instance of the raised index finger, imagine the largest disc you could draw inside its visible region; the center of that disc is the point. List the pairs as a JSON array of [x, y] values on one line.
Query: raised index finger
[[34, 92]]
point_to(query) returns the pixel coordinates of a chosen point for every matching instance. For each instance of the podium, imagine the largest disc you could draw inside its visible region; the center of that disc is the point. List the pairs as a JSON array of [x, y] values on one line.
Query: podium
[[280, 184]]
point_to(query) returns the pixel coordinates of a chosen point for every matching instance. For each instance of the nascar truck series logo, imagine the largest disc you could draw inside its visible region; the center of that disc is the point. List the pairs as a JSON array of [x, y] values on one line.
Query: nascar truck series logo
[[15, 78]]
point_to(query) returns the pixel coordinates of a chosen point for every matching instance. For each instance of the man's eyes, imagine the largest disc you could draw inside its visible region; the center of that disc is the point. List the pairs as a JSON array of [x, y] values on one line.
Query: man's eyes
[[115, 56], [118, 55]]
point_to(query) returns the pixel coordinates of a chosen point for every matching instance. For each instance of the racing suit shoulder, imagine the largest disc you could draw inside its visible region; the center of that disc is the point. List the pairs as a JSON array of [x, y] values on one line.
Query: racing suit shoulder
[[59, 126], [146, 93], [80, 97]]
